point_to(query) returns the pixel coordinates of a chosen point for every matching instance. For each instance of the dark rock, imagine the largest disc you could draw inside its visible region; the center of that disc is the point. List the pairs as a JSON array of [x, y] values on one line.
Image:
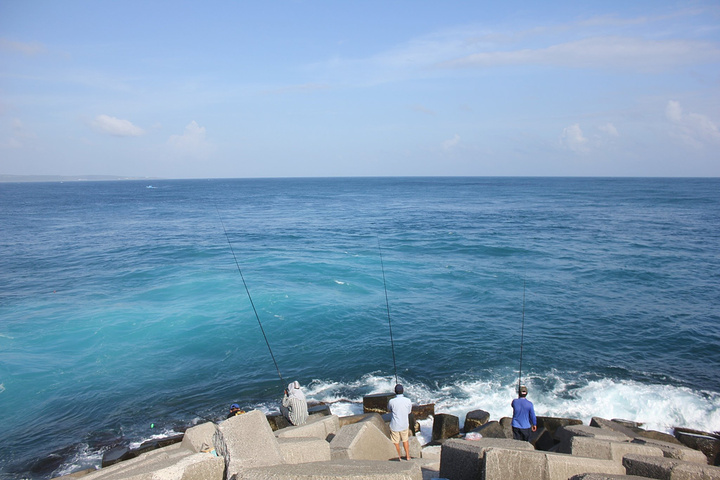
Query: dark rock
[[277, 421], [422, 412], [707, 443], [506, 423], [475, 418], [652, 434], [612, 425], [542, 439], [627, 423], [553, 423], [377, 402], [115, 455], [445, 426], [319, 409], [491, 430]]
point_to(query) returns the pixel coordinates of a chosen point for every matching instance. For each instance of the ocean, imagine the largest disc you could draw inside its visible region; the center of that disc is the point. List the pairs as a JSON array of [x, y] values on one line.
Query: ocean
[[124, 315]]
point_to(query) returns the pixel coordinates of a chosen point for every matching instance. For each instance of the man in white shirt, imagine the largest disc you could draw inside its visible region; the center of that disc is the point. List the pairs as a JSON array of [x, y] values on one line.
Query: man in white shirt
[[400, 407]]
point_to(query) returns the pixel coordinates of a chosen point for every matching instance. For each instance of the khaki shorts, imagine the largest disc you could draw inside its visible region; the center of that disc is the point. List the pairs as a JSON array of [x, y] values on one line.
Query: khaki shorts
[[398, 437]]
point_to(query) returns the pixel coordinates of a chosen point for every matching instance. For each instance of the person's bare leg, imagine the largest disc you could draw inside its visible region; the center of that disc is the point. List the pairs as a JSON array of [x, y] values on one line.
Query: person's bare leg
[[407, 449], [397, 446]]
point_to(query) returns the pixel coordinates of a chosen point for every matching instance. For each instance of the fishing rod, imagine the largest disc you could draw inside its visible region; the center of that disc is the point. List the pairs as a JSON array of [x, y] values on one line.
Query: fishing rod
[[387, 305], [237, 264], [522, 337]]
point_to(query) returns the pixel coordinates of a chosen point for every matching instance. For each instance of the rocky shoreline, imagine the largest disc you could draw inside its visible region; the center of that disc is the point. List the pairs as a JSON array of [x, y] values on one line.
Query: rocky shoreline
[[255, 446]]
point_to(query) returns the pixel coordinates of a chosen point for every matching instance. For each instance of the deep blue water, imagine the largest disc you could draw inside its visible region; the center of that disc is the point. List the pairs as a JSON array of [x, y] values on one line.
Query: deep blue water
[[121, 306]]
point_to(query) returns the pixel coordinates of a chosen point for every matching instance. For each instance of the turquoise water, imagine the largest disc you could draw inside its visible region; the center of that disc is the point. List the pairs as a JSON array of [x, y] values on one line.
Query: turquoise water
[[121, 306]]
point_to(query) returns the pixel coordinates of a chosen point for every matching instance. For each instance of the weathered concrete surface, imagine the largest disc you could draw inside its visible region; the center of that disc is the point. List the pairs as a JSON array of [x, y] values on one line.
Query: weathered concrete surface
[[474, 419], [669, 468], [337, 469], [503, 463], [377, 402], [304, 450], [247, 441], [609, 450], [362, 441], [564, 435], [199, 438], [605, 476], [654, 435], [169, 463], [464, 459], [445, 426], [672, 450], [319, 426]]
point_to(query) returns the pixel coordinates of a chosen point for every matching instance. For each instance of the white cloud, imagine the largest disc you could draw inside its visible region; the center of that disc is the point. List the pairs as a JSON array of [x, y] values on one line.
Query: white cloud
[[192, 142], [573, 139], [609, 129], [116, 126], [693, 129], [451, 143]]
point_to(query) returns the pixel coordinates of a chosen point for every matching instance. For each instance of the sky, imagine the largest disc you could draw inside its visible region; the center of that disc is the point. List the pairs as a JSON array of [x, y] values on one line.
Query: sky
[[241, 89]]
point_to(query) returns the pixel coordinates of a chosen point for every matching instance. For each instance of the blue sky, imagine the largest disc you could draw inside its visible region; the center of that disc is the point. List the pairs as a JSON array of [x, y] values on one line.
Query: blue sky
[[374, 88]]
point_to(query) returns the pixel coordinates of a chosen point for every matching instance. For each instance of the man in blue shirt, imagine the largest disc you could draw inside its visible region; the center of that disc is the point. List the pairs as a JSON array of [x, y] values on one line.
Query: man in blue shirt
[[524, 421], [400, 407]]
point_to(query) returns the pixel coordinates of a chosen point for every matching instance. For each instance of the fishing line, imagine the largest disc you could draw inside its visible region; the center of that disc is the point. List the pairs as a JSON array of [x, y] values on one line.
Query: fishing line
[[237, 264], [522, 337], [387, 305]]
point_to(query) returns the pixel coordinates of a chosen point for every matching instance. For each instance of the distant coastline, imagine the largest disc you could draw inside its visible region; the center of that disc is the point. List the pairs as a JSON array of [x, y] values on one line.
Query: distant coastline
[[67, 178]]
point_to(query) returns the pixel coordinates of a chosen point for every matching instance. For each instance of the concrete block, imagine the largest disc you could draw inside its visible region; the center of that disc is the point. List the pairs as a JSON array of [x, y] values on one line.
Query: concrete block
[[377, 402], [553, 423], [541, 439], [669, 468], [705, 442], [362, 441], [336, 469], [445, 426], [319, 409], [608, 450], [605, 476], [247, 441], [506, 424], [475, 418], [421, 412], [165, 461], [612, 425], [564, 434], [672, 450], [416, 449], [562, 467], [200, 466], [377, 420], [464, 459], [491, 429], [199, 438], [304, 450], [278, 421], [317, 426], [501, 463]]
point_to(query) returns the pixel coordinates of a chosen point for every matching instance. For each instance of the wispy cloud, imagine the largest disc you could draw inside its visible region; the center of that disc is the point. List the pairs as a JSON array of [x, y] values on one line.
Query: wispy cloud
[[602, 53], [573, 139], [21, 47], [116, 126]]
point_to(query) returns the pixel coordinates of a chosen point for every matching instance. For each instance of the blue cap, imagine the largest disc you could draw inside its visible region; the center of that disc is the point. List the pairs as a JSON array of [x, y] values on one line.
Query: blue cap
[[234, 405]]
